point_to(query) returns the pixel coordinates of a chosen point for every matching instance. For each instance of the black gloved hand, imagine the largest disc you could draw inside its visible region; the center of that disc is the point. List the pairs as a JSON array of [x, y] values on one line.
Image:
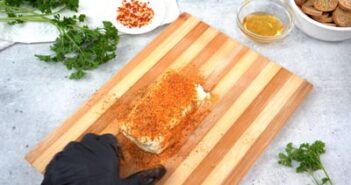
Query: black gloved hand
[[94, 161]]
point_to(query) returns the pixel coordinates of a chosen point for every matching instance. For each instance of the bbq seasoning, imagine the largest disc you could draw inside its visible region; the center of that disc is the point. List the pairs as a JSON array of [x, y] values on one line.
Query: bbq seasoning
[[134, 13], [176, 84], [173, 93]]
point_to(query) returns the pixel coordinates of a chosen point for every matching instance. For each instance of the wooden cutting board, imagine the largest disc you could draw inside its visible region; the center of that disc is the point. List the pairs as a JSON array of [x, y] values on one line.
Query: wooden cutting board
[[255, 97]]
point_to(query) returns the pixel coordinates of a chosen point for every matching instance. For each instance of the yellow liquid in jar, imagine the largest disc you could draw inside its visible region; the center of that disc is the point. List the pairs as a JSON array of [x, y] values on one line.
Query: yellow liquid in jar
[[263, 24]]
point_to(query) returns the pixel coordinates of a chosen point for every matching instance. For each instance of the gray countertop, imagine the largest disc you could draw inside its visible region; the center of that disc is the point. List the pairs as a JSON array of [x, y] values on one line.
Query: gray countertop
[[36, 97]]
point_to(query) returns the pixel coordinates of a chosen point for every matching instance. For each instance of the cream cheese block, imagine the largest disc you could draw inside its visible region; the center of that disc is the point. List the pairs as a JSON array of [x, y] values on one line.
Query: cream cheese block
[[162, 139]]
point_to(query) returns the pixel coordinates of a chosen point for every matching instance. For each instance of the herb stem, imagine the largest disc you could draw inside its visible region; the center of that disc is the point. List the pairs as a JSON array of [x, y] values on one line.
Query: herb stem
[[33, 19], [24, 17], [62, 32], [74, 43], [313, 177], [326, 174]]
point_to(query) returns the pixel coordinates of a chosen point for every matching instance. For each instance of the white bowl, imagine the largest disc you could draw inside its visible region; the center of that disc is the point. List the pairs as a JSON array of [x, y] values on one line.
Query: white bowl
[[316, 29]]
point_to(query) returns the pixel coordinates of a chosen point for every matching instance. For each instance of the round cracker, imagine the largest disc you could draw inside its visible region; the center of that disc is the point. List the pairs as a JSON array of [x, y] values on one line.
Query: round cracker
[[325, 5], [345, 4], [308, 9], [309, 2], [324, 18], [300, 2], [342, 17], [324, 15]]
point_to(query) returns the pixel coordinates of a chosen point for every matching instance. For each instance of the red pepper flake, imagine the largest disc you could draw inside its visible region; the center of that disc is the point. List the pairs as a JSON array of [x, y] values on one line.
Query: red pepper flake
[[134, 14]]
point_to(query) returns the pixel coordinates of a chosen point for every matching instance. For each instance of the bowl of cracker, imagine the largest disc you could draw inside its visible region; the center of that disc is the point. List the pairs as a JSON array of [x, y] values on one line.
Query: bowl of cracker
[[328, 20]]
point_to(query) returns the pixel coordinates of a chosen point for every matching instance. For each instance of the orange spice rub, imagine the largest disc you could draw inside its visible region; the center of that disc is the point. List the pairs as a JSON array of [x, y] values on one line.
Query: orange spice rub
[[153, 113], [157, 116]]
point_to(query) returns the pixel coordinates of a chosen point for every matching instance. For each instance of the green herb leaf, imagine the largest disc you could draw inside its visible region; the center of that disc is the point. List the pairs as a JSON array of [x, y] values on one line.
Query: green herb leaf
[[45, 58], [45, 6], [285, 160], [81, 18], [325, 180], [77, 75]]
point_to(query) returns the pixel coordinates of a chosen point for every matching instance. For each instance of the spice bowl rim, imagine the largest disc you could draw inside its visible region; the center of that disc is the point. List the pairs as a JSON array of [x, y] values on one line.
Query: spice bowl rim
[[288, 27]]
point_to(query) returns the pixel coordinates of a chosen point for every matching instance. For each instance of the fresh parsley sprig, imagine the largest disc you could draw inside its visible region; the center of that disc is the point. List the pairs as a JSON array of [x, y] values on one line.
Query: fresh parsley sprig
[[81, 48], [45, 6], [78, 47], [307, 157]]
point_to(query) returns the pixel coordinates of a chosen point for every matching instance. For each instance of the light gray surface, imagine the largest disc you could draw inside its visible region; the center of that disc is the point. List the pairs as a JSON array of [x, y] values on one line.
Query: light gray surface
[[5, 44], [35, 97]]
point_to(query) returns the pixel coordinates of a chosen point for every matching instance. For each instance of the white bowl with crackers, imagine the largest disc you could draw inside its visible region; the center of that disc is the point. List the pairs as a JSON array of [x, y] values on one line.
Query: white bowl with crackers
[[328, 20]]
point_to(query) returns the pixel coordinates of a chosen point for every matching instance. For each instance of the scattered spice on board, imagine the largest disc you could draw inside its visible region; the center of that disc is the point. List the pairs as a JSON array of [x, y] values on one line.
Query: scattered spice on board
[[134, 14]]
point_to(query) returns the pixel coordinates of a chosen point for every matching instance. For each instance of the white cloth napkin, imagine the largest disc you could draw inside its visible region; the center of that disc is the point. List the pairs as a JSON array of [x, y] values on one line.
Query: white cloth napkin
[[39, 32]]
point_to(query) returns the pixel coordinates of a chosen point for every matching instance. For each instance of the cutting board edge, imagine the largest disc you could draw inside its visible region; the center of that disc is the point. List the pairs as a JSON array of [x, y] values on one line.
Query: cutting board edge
[[103, 91]]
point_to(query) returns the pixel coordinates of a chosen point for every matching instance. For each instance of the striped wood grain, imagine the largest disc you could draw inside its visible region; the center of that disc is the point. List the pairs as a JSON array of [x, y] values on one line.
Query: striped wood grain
[[255, 97]]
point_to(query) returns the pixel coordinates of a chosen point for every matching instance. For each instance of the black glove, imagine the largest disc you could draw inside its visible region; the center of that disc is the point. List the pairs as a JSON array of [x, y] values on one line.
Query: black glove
[[94, 161]]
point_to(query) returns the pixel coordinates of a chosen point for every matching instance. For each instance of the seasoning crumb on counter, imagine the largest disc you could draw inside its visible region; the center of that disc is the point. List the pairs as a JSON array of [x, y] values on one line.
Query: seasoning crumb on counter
[[135, 14]]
